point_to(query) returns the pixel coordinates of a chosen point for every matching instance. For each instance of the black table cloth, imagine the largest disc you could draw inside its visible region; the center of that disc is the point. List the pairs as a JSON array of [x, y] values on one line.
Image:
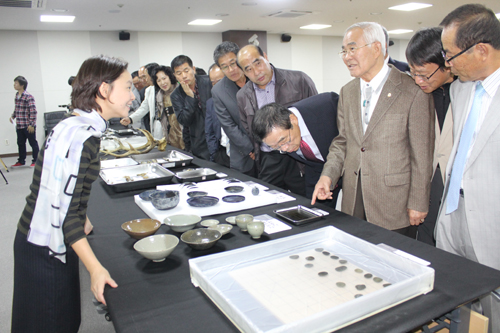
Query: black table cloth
[[159, 297]]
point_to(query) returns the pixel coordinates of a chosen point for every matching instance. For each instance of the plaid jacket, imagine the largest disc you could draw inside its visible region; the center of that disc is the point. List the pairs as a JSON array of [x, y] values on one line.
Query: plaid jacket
[[25, 111]]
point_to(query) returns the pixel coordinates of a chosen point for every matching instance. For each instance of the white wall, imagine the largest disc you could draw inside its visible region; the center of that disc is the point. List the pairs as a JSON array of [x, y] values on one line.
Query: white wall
[[48, 58]]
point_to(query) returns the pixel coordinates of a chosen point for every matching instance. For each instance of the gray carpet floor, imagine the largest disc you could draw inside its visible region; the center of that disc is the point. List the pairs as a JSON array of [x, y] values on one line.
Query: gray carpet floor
[[11, 205]]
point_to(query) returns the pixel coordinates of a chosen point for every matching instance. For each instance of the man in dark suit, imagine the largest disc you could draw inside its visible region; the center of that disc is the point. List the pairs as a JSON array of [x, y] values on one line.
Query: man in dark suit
[[241, 156], [189, 101], [306, 127], [386, 138]]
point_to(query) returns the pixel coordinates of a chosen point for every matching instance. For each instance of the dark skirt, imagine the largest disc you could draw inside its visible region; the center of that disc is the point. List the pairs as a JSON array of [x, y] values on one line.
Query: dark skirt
[[46, 291]]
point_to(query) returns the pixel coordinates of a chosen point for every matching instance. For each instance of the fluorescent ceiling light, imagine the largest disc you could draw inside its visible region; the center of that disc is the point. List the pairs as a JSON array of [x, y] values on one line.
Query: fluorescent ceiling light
[[315, 26], [410, 6], [57, 18], [204, 22], [400, 31]]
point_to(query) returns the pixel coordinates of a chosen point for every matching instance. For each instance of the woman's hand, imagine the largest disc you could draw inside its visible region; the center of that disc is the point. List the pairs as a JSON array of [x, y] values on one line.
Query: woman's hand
[[98, 280]]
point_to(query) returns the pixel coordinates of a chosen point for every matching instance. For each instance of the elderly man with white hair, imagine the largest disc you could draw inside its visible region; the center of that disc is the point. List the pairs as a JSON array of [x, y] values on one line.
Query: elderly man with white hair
[[385, 144]]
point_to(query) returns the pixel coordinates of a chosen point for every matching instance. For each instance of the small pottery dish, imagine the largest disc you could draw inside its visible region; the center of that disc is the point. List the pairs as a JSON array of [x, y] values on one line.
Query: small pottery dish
[[233, 189], [182, 222], [141, 228], [231, 219], [209, 223], [164, 200], [242, 221], [233, 198], [193, 194], [255, 229], [201, 239], [203, 201], [146, 195], [222, 228], [156, 247]]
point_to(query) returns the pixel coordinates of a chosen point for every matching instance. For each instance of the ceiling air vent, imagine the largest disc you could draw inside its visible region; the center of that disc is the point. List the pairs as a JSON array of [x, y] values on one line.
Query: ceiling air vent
[[33, 4], [289, 13]]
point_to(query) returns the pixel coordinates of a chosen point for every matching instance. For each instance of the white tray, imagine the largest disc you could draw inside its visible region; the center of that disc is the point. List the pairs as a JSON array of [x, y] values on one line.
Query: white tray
[[215, 188], [261, 289]]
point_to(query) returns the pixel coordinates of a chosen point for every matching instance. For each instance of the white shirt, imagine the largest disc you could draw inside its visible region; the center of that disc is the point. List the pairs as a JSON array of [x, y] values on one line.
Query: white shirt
[[377, 83], [490, 85], [306, 136]]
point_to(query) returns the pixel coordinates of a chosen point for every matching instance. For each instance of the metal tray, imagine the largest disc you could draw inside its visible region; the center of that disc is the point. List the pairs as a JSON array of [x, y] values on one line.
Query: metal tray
[[168, 158], [126, 132], [117, 162], [298, 214], [129, 178], [196, 175]]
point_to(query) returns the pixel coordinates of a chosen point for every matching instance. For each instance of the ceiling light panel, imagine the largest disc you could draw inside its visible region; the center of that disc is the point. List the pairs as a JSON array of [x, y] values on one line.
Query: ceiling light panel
[[410, 6], [315, 26], [57, 18], [204, 22], [399, 31]]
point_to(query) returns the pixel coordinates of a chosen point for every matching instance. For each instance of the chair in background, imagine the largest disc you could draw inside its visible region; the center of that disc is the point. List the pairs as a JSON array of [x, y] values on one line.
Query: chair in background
[[51, 120]]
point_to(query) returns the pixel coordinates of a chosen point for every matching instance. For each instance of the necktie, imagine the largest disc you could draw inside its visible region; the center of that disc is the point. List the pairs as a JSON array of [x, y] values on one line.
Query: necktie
[[366, 103], [307, 151], [463, 148]]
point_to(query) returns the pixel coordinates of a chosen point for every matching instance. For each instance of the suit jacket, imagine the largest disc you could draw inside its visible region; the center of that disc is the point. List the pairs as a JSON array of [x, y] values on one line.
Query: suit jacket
[[393, 157], [443, 143], [320, 115], [402, 66], [212, 129], [481, 179], [190, 115], [291, 87], [226, 109]]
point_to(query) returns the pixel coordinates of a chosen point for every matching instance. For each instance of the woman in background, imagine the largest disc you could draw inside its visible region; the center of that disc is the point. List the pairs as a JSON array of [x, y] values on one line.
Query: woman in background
[[51, 234], [165, 82]]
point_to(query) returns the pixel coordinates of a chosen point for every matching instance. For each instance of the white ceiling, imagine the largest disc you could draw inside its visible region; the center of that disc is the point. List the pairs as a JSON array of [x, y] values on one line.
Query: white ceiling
[[173, 15]]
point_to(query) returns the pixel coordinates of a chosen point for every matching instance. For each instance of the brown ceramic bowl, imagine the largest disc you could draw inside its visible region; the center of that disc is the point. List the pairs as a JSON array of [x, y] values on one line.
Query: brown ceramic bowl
[[141, 228]]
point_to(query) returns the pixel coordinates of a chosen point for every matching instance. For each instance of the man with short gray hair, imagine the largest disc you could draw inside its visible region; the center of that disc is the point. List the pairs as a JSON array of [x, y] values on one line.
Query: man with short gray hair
[[386, 138]]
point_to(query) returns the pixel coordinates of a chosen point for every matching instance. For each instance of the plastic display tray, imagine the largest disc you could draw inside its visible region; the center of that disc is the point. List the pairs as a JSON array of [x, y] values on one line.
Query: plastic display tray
[[136, 177], [168, 158], [293, 284]]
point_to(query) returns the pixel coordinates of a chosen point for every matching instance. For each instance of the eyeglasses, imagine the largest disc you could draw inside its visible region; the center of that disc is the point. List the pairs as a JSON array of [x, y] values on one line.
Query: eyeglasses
[[351, 50], [232, 64], [459, 53], [423, 77], [280, 147]]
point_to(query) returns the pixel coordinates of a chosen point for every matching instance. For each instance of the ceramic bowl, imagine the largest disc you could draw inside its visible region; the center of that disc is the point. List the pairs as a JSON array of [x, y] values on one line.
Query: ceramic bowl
[[255, 229], [242, 221], [201, 239], [231, 219], [141, 228], [209, 223], [146, 195], [233, 189], [222, 228], [193, 194], [182, 222], [156, 247], [164, 200], [205, 201]]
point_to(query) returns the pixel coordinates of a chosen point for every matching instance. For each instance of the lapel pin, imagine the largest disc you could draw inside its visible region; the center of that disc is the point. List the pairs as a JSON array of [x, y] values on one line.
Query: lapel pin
[[389, 95]]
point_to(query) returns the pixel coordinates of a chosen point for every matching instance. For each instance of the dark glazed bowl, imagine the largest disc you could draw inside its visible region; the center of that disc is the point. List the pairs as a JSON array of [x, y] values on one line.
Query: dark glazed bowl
[[146, 195], [164, 200], [141, 228], [193, 194]]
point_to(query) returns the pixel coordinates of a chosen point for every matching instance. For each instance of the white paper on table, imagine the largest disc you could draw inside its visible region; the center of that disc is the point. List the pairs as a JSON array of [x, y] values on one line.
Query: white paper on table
[[214, 188], [281, 197], [271, 225], [259, 186]]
